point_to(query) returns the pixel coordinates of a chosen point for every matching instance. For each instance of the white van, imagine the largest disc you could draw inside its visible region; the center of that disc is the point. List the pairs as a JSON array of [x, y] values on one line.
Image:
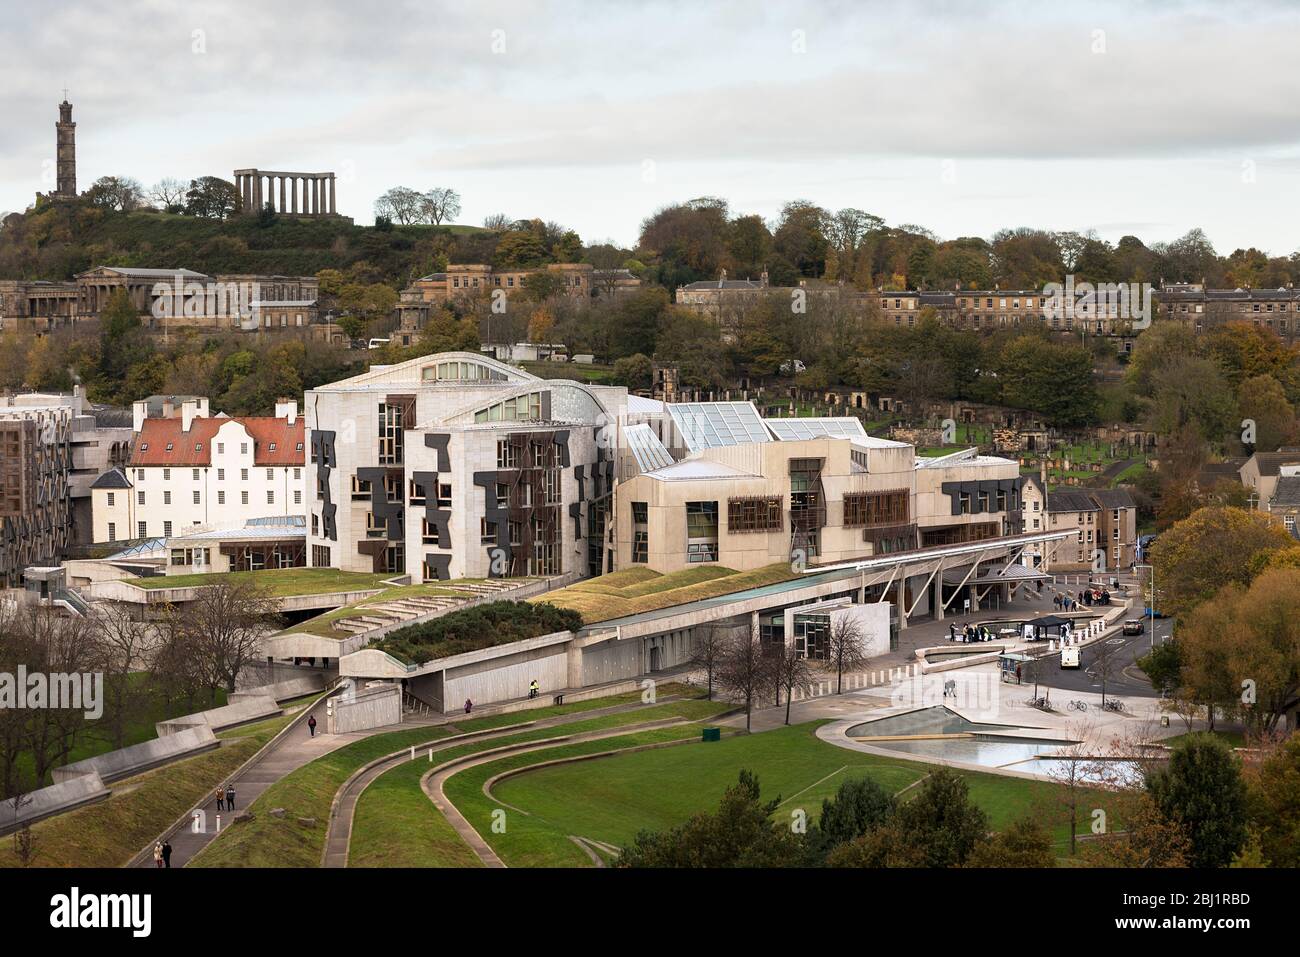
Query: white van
[[1070, 657]]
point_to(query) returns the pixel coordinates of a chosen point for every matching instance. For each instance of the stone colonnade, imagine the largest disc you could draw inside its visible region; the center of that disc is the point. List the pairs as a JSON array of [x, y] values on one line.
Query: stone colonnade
[[295, 194]]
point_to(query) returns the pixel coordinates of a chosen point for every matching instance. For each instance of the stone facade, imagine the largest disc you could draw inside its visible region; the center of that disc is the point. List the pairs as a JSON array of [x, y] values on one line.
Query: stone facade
[[306, 195]]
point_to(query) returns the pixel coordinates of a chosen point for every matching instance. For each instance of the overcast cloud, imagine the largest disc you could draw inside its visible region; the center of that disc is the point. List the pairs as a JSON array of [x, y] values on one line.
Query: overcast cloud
[[1148, 118]]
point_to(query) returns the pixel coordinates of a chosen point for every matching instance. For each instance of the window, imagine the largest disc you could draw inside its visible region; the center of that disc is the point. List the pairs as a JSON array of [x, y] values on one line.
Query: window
[[757, 514], [110, 499], [393, 488], [863, 509], [444, 496], [167, 497], [270, 497], [270, 474], [701, 532], [551, 487], [507, 454], [243, 475], [320, 556], [196, 496], [487, 532], [390, 434], [297, 473], [503, 495], [640, 533], [416, 493], [196, 475], [271, 447], [167, 475], [243, 498], [142, 529], [167, 529], [243, 448], [221, 498], [221, 475], [297, 497], [360, 489], [139, 497], [221, 448], [375, 527], [428, 532]]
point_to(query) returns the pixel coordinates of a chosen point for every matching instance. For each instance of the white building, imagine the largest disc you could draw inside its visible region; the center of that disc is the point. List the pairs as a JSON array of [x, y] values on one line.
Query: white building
[[457, 465], [192, 470]]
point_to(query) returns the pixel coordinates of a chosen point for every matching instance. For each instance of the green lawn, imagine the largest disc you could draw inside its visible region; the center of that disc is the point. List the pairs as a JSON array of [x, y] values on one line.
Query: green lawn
[[308, 792], [396, 825], [279, 582], [111, 832], [612, 798]]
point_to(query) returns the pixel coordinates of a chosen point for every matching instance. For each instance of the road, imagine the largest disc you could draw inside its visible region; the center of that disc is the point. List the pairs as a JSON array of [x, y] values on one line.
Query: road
[[1125, 677]]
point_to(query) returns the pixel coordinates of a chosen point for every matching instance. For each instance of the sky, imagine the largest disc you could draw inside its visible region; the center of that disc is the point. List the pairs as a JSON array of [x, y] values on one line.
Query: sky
[[1149, 118]]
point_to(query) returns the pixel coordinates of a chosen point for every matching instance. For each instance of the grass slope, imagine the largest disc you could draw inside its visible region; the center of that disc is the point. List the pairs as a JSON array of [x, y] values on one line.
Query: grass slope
[[280, 582], [109, 833]]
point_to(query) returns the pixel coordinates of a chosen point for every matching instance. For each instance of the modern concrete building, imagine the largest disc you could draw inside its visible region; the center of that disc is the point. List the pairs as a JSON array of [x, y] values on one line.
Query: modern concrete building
[[455, 465], [189, 470], [35, 495], [718, 484]]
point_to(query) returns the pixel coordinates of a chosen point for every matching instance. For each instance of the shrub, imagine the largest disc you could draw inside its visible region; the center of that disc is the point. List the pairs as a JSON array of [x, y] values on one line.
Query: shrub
[[472, 629]]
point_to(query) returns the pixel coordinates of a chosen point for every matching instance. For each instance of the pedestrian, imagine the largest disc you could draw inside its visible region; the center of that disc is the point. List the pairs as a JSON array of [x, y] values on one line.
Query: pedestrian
[[533, 688], [952, 632], [157, 854], [1056, 601], [221, 799], [230, 796], [311, 725], [167, 853], [469, 706]]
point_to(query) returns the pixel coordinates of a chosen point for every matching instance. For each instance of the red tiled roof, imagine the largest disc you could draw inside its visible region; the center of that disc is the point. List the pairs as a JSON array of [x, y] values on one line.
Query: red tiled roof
[[162, 442]]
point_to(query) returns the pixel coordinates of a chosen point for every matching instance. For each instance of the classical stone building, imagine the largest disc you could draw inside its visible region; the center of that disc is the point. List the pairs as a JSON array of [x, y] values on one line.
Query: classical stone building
[[307, 195], [166, 299]]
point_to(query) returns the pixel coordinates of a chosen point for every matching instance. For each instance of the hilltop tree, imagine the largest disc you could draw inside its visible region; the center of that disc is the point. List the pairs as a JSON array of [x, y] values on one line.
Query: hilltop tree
[[211, 197]]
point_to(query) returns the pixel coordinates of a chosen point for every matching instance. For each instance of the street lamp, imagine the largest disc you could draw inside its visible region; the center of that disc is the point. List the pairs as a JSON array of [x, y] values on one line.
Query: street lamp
[[1152, 606]]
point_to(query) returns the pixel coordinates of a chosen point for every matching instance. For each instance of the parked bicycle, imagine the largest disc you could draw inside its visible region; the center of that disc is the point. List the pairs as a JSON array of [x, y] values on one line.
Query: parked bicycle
[[1040, 703], [1113, 704], [1077, 705]]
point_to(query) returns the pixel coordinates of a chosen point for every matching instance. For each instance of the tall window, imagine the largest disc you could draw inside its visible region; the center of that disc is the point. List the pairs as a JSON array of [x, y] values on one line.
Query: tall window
[[640, 532], [701, 532], [390, 434]]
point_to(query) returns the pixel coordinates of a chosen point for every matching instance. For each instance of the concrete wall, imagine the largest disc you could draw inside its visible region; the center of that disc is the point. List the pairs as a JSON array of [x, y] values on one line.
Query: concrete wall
[[52, 800], [370, 708], [125, 762], [251, 707], [283, 690], [504, 678]]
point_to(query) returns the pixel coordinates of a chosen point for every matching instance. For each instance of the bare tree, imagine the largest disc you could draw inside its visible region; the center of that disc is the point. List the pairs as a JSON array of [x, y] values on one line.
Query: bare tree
[[710, 648], [745, 671], [1070, 770], [174, 666], [789, 671], [168, 194], [226, 623], [401, 204], [123, 644], [497, 222], [845, 648], [441, 203], [24, 843]]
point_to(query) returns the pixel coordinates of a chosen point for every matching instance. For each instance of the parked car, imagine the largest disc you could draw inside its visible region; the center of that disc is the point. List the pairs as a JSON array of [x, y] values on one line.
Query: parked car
[[1153, 613], [1134, 626]]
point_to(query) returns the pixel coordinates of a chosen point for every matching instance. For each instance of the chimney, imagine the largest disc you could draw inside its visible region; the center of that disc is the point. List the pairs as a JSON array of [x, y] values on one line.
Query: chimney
[[168, 408], [286, 408], [189, 411], [139, 412]]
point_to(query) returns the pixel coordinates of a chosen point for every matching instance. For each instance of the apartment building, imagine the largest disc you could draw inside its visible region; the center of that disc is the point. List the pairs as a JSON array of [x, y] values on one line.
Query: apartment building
[[456, 465], [1105, 522], [35, 496], [189, 470], [1262, 471]]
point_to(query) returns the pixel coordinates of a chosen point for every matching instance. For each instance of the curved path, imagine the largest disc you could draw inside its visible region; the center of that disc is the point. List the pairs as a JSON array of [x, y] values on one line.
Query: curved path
[[343, 809], [433, 781]]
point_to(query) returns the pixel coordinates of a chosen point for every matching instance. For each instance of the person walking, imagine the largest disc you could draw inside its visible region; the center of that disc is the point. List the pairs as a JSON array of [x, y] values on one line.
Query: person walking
[[311, 725], [230, 796], [469, 706], [221, 799], [167, 853], [157, 854], [533, 688], [952, 632]]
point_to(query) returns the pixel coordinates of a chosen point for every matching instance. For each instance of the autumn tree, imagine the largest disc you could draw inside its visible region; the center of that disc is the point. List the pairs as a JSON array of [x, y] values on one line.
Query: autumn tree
[[1210, 548]]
